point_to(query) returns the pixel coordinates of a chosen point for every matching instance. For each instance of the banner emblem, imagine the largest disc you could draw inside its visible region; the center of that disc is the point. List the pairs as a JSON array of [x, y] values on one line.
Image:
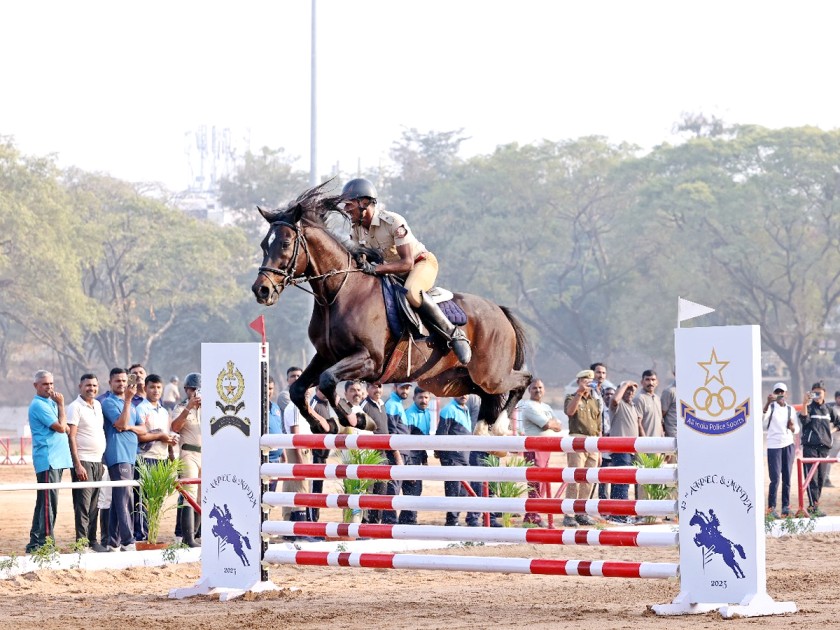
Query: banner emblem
[[230, 386]]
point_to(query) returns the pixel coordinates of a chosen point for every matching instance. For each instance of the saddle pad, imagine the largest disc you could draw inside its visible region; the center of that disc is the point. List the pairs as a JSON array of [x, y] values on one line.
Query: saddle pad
[[392, 291]]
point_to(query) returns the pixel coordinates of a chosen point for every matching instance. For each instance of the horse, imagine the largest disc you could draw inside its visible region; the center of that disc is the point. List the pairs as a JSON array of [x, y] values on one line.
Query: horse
[[349, 329], [710, 538], [225, 531]]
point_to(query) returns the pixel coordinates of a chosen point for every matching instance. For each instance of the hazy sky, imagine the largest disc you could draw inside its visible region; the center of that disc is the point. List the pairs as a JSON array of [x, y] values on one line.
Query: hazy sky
[[121, 86]]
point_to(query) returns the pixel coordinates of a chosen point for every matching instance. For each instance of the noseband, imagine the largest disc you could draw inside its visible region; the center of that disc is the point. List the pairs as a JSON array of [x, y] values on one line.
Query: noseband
[[287, 275]]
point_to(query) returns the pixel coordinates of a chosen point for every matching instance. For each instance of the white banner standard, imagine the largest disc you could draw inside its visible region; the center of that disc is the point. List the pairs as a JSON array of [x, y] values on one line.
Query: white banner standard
[[233, 397], [721, 496]]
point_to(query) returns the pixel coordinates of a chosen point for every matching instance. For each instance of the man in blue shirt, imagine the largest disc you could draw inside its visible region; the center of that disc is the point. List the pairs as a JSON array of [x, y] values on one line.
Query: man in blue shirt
[[397, 425], [50, 454], [419, 420], [454, 420], [122, 426]]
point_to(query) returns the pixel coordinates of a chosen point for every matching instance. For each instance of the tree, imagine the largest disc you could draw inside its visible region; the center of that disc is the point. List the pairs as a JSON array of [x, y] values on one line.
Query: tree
[[265, 179], [147, 265], [40, 256], [755, 223]]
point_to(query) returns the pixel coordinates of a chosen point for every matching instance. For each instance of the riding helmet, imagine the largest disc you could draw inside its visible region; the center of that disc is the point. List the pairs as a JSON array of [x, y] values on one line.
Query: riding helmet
[[358, 188], [193, 380]]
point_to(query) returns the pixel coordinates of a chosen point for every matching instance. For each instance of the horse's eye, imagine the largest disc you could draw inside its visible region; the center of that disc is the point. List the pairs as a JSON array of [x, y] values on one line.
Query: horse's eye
[[285, 244]]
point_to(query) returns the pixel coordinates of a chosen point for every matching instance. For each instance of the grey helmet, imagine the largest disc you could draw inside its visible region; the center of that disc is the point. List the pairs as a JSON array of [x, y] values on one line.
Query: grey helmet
[[358, 188], [193, 380]]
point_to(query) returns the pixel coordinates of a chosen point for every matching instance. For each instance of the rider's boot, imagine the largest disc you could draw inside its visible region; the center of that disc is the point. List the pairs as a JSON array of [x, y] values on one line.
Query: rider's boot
[[435, 319], [185, 514]]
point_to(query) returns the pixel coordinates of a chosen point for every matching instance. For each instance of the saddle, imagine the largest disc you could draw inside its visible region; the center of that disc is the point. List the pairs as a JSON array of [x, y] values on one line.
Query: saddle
[[401, 315]]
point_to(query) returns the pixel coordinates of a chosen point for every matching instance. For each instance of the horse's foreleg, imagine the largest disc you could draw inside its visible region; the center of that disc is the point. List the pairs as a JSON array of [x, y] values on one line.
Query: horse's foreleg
[[297, 392], [354, 367]]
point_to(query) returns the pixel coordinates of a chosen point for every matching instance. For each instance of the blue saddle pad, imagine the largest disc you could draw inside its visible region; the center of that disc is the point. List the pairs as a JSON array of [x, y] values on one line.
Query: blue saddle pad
[[393, 291]]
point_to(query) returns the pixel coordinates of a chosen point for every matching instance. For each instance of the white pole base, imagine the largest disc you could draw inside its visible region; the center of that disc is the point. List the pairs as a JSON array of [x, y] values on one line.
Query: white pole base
[[760, 605], [225, 594]]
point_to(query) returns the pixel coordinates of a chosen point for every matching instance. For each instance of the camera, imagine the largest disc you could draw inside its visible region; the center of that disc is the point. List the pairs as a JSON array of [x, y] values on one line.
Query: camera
[[812, 395], [132, 380]]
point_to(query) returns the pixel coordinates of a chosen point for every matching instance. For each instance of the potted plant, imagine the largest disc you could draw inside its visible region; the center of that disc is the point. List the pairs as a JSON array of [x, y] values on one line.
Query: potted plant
[[158, 482], [358, 486], [507, 489], [653, 491]]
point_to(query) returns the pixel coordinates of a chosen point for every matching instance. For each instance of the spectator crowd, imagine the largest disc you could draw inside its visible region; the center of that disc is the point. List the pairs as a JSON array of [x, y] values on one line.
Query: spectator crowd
[[104, 435]]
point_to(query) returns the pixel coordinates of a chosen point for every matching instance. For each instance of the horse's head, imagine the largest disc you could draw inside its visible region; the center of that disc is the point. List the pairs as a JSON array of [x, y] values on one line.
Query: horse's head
[[281, 248]]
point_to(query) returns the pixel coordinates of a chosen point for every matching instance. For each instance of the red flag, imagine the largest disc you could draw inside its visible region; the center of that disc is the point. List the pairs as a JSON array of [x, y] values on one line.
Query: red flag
[[259, 325]]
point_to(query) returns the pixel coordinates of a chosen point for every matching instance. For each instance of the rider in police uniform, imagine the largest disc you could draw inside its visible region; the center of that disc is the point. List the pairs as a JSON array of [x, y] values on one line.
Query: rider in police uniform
[[404, 256]]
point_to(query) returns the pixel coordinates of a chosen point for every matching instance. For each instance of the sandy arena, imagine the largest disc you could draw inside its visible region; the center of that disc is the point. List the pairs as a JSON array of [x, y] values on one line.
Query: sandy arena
[[802, 569]]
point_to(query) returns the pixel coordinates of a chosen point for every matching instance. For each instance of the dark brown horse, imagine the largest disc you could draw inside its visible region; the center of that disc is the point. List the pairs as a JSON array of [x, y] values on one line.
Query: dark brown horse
[[349, 328]]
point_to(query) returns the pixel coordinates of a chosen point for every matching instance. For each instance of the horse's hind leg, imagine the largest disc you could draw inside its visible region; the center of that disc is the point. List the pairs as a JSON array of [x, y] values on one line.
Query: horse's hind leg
[[494, 405]]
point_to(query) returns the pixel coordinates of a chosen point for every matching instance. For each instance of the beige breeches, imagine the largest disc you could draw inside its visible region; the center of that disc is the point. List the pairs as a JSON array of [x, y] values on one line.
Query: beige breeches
[[421, 278], [191, 468], [295, 456]]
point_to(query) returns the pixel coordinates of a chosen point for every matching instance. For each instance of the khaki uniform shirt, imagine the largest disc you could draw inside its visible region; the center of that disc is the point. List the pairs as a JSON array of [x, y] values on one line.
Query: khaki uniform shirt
[[191, 430], [387, 231], [587, 419]]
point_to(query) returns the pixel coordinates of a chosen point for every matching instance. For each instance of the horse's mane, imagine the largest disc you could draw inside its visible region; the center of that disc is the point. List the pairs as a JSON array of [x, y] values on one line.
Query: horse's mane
[[314, 207]]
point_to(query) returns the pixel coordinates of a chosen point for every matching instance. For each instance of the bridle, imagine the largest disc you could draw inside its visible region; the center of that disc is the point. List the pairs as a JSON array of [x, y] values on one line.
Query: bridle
[[288, 277]]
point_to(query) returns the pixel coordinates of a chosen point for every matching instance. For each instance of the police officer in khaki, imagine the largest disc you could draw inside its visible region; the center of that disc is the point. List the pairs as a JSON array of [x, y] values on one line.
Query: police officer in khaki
[[404, 256], [186, 421]]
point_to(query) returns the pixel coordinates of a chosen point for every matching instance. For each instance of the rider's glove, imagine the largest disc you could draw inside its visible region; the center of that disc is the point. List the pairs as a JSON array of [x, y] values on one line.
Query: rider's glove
[[368, 268]]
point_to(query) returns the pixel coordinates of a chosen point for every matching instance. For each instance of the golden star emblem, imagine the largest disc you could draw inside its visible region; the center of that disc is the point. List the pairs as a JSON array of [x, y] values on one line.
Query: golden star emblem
[[230, 389], [714, 368]]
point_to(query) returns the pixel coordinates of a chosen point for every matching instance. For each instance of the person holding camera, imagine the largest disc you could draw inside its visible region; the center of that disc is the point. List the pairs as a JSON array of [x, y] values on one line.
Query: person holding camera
[[816, 420], [781, 424], [122, 428], [186, 422]]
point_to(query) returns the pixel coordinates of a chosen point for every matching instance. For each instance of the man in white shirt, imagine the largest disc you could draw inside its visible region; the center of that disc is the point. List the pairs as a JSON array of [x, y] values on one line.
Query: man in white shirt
[[537, 418], [85, 430], [781, 423], [154, 445]]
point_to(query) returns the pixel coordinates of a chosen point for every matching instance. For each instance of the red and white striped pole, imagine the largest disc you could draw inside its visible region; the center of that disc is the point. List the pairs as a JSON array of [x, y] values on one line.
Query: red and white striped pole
[[534, 535], [620, 507], [625, 474], [472, 443], [480, 564]]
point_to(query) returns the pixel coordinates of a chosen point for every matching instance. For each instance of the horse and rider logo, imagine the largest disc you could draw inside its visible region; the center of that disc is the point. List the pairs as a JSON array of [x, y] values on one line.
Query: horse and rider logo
[[714, 399], [227, 534], [712, 542], [230, 386]]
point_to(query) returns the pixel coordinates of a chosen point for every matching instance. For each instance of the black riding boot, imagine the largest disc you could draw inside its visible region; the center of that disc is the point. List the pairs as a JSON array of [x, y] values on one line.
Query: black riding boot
[[185, 514], [435, 319]]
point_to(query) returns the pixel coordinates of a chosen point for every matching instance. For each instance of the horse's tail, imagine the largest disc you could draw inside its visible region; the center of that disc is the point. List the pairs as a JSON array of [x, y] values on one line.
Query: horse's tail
[[740, 551], [521, 338], [247, 542]]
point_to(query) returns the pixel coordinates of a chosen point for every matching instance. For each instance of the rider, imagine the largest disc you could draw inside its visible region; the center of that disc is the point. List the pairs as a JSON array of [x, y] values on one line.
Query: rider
[[404, 256]]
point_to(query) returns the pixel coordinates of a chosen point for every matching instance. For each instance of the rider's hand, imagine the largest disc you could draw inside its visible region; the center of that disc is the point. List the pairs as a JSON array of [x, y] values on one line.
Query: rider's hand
[[368, 268]]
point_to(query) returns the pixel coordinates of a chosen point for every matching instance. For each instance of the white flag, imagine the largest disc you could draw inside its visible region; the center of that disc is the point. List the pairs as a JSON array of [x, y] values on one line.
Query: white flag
[[687, 309]]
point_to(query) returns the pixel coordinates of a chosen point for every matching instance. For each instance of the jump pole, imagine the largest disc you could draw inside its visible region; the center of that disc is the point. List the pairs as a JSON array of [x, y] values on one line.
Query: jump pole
[[720, 493]]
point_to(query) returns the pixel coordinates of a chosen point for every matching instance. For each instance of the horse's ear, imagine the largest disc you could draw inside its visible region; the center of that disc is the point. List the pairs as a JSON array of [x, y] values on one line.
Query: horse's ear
[[297, 213], [268, 215]]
